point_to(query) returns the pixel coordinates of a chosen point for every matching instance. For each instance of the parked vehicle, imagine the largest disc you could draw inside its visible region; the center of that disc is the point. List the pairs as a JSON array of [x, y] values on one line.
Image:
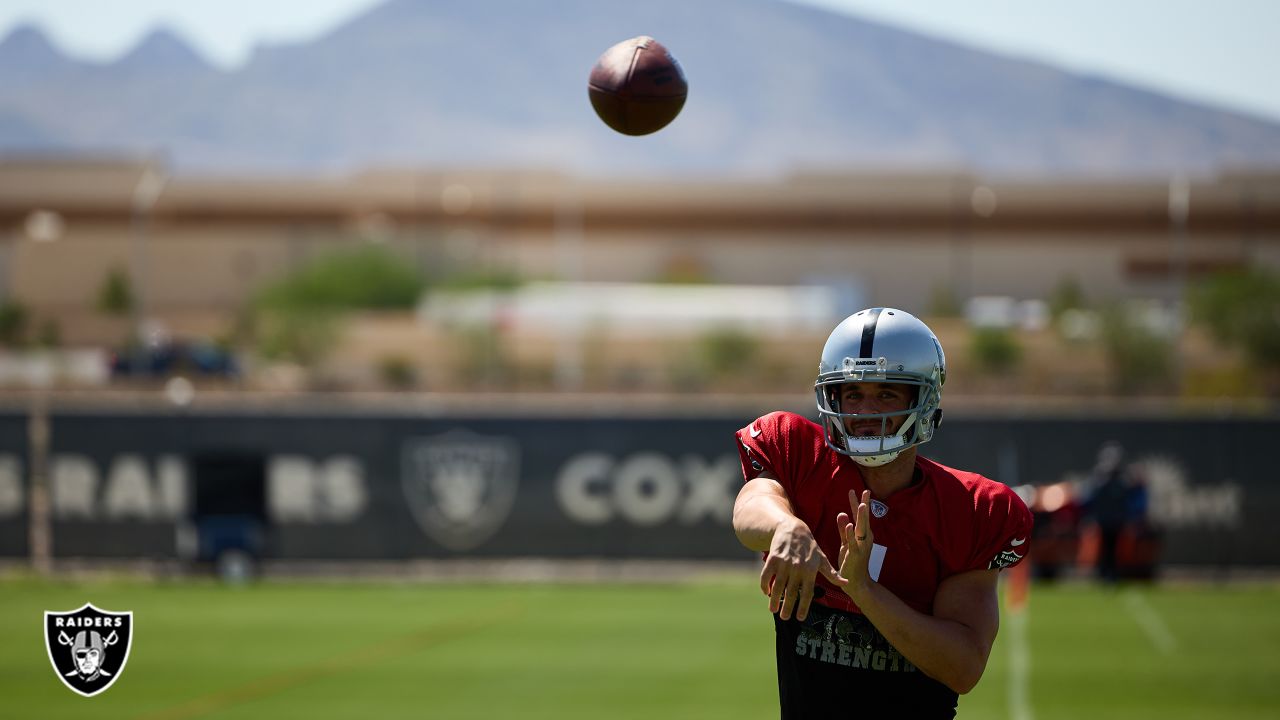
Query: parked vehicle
[[194, 358]]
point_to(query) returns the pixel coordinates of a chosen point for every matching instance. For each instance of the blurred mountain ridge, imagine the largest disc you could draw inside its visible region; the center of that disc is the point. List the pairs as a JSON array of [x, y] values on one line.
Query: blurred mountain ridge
[[774, 88]]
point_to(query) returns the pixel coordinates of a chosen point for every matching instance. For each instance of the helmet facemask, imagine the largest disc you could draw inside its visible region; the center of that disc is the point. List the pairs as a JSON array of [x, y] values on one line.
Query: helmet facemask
[[884, 447]]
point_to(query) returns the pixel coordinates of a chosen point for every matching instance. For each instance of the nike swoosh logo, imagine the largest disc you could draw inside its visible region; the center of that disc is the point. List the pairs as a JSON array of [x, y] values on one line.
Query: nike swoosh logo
[[755, 431], [1016, 543]]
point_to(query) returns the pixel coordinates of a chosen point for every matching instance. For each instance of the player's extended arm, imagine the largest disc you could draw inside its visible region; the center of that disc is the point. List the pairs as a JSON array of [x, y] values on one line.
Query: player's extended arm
[[764, 521], [951, 645]]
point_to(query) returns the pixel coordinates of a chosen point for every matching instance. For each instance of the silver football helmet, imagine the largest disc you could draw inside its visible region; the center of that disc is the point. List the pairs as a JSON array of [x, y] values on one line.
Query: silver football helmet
[[881, 345]]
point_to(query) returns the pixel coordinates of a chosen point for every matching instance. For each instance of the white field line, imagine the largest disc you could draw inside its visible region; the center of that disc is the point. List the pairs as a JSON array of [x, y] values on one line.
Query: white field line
[[1150, 622], [1019, 667]]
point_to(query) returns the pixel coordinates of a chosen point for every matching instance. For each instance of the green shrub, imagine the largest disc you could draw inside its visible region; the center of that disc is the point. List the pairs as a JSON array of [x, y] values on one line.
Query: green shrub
[[943, 303], [1141, 360], [364, 278], [297, 317], [397, 371], [720, 354], [298, 334], [13, 323], [1242, 309], [994, 350], [728, 351], [1066, 295], [481, 355], [480, 280], [115, 296], [50, 334]]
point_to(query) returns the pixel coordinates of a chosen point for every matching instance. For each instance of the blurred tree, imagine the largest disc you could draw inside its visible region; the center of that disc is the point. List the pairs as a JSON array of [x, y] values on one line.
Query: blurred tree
[[994, 350], [296, 318], [1141, 359], [1242, 309], [115, 296], [722, 354], [297, 334], [480, 356], [397, 371], [943, 302], [50, 334], [1066, 295], [729, 351], [13, 323], [369, 277]]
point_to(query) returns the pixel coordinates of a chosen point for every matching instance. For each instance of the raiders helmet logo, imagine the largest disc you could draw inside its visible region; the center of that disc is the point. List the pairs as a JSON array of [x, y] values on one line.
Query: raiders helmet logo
[[460, 486], [88, 647]]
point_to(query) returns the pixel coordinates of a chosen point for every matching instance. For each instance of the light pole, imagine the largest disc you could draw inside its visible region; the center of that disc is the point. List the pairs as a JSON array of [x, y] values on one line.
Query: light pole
[[146, 192], [1179, 210], [41, 226]]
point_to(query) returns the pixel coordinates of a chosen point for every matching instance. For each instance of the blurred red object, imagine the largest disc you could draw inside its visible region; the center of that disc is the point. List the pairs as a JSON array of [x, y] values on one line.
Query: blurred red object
[[1057, 514]]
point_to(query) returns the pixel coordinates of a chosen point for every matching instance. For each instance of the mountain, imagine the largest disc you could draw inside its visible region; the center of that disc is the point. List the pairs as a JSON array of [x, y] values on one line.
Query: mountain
[[162, 50], [774, 87]]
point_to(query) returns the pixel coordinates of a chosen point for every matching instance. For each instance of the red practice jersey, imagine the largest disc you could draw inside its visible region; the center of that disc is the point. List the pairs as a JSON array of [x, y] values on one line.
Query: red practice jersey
[[946, 523]]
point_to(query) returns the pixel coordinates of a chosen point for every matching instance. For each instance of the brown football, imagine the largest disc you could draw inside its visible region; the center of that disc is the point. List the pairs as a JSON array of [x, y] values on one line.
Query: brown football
[[637, 87]]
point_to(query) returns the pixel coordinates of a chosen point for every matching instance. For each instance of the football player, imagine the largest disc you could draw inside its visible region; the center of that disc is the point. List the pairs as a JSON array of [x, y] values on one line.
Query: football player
[[880, 565]]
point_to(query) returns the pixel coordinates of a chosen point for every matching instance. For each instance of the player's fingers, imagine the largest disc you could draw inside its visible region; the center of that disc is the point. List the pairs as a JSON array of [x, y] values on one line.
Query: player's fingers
[[832, 573], [862, 528], [847, 545], [766, 575], [857, 515], [806, 596], [867, 533], [776, 590], [845, 528], [791, 595], [843, 523]]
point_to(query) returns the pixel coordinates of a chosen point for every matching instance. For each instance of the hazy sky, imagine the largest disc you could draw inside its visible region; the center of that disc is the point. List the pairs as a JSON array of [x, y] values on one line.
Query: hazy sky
[[1222, 52]]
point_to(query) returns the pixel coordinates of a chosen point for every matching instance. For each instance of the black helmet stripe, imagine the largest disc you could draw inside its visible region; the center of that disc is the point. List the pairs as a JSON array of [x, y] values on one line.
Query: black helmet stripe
[[869, 333]]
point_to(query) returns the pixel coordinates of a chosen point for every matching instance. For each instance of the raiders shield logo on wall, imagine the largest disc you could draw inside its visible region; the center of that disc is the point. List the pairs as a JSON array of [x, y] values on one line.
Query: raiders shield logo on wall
[[460, 485], [88, 647]]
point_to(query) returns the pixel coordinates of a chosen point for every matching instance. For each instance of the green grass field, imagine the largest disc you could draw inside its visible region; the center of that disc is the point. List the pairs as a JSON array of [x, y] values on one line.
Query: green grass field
[[688, 650]]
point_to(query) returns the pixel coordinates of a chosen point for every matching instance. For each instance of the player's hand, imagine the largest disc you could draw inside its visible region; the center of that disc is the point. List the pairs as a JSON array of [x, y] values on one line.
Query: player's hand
[[793, 562], [856, 540]]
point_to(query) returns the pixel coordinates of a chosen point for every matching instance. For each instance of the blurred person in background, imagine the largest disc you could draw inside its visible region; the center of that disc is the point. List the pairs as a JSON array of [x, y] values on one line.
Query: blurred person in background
[[904, 621], [1117, 506]]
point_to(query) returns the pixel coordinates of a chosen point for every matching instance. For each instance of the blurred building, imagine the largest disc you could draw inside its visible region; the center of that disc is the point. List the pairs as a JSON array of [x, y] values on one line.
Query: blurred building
[[196, 248]]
